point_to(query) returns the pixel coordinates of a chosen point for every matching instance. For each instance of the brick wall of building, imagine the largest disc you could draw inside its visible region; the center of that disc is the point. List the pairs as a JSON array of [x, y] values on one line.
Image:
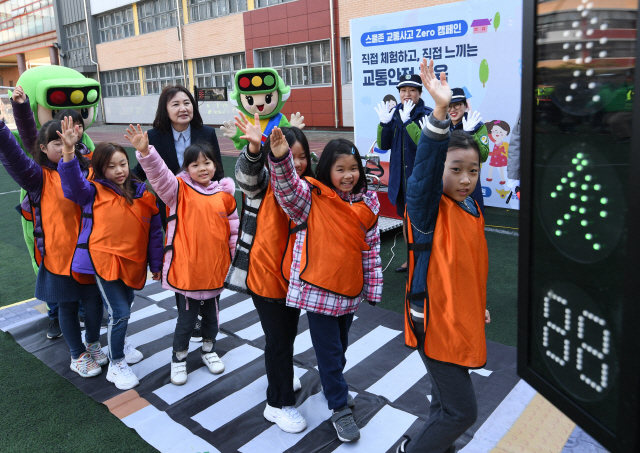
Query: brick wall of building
[[222, 36], [151, 48]]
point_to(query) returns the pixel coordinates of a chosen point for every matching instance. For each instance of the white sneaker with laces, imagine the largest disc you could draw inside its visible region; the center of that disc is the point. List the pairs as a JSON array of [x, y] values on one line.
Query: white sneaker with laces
[[85, 366], [288, 418], [178, 373], [213, 362], [95, 349], [121, 374], [131, 354], [297, 385]]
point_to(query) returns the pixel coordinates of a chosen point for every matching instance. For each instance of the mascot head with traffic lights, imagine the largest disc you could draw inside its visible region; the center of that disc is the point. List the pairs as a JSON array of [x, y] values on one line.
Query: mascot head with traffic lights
[[54, 88], [261, 91]]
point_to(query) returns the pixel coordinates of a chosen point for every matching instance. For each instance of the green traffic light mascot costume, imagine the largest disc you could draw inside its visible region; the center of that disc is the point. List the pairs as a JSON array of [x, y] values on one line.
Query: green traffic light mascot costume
[[261, 91], [50, 89]]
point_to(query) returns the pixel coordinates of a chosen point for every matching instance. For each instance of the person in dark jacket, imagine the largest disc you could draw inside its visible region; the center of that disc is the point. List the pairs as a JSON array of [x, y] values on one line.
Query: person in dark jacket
[[399, 131], [177, 126]]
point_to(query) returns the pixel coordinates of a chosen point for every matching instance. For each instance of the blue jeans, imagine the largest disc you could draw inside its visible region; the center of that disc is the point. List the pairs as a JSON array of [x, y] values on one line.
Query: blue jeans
[[52, 310], [330, 338], [117, 298], [70, 325]]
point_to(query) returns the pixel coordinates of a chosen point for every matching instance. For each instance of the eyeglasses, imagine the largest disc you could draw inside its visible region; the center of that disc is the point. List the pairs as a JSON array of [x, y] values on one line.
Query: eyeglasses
[[455, 106]]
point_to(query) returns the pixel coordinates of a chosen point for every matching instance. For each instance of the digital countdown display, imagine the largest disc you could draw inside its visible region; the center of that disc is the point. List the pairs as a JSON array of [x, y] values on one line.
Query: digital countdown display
[[579, 246]]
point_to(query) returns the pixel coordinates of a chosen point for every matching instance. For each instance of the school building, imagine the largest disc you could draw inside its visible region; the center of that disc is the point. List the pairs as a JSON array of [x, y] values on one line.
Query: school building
[[137, 48]]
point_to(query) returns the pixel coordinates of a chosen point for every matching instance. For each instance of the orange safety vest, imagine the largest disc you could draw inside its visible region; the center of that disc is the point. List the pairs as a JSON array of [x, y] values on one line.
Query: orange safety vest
[[200, 241], [332, 251], [61, 224], [456, 299], [119, 237], [271, 252]]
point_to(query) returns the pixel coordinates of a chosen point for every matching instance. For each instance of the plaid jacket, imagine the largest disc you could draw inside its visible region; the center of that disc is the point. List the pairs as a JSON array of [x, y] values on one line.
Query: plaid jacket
[[294, 195]]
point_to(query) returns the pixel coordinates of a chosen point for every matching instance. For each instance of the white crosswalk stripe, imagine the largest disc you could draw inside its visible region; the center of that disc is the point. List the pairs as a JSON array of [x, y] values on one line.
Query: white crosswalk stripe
[[400, 379], [162, 296], [369, 344], [237, 403], [157, 361], [234, 359], [236, 310]]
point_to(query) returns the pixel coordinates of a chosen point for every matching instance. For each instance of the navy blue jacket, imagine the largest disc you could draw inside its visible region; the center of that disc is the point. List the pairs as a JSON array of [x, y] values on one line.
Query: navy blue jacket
[[402, 140]]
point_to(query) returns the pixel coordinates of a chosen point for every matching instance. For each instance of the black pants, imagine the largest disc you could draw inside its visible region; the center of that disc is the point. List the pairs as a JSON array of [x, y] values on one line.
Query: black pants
[[187, 321], [454, 407], [280, 325]]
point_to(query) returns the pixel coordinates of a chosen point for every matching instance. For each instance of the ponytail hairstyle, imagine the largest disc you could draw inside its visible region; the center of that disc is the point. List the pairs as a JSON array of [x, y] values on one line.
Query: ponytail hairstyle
[[48, 133], [331, 152], [100, 160], [293, 135]]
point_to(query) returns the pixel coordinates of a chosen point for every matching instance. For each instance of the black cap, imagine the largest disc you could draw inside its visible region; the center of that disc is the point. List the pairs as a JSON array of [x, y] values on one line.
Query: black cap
[[458, 95], [410, 80]]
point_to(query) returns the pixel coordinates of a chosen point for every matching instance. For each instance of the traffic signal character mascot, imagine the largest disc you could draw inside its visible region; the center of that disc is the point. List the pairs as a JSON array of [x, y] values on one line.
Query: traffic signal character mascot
[[51, 89], [261, 91]]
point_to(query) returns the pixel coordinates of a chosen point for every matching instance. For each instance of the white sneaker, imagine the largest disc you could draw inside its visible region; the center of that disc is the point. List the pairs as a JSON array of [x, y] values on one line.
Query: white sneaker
[[297, 385], [213, 362], [178, 373], [121, 374], [131, 354], [85, 366], [288, 418], [95, 349]]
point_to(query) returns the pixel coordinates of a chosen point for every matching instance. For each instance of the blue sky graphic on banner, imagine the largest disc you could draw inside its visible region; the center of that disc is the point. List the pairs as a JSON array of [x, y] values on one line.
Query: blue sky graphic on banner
[[476, 42]]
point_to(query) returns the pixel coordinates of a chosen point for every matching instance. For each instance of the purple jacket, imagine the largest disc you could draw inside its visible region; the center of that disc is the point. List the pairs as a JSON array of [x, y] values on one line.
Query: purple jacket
[[25, 123], [77, 189], [25, 171]]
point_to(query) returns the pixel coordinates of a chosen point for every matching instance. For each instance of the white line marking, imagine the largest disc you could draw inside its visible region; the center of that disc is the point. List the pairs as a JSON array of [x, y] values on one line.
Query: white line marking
[[162, 296], [368, 344], [234, 359], [401, 378], [236, 404]]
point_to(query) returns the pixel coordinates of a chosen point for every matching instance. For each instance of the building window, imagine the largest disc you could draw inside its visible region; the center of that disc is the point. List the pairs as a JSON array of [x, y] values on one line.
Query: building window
[[161, 75], [20, 21], [218, 71], [301, 64], [348, 74], [210, 9], [123, 82], [157, 15], [263, 3], [76, 35], [116, 25]]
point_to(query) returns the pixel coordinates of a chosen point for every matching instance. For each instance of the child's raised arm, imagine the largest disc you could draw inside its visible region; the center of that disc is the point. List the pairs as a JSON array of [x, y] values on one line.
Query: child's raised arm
[[25, 122], [74, 185], [162, 180], [292, 194], [24, 171], [424, 187]]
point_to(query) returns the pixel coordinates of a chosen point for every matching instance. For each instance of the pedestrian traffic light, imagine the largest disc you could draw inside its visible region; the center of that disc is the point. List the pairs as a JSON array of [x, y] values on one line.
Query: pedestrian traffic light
[[579, 277]]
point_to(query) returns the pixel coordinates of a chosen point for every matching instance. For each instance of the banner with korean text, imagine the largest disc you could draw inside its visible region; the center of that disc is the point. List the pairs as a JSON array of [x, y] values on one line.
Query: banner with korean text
[[478, 43]]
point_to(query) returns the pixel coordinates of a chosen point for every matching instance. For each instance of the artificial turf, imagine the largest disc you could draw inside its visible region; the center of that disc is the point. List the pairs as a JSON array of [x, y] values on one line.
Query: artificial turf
[[44, 412]]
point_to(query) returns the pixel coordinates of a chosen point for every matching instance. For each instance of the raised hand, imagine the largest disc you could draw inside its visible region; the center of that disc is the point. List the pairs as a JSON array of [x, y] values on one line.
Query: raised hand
[[297, 120], [279, 145], [138, 139], [70, 135], [423, 122], [405, 113], [383, 112], [252, 132], [438, 88], [470, 124], [228, 129], [18, 95]]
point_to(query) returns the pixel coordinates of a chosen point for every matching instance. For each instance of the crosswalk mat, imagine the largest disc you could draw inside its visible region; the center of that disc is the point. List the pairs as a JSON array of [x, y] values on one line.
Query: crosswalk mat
[[223, 413]]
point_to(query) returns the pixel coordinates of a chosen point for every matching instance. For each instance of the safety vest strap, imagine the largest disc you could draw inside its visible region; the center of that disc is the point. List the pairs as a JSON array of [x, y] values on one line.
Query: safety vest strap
[[417, 296], [245, 244], [83, 246], [87, 215], [418, 247], [294, 230], [38, 235], [171, 217], [251, 209]]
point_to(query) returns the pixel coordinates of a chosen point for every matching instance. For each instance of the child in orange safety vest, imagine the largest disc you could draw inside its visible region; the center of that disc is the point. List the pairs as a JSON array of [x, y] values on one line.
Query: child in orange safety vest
[[202, 230], [121, 234], [336, 262], [445, 302]]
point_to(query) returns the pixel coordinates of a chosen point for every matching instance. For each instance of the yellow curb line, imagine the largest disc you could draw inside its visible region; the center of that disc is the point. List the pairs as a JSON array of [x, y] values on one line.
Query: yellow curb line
[[18, 303]]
